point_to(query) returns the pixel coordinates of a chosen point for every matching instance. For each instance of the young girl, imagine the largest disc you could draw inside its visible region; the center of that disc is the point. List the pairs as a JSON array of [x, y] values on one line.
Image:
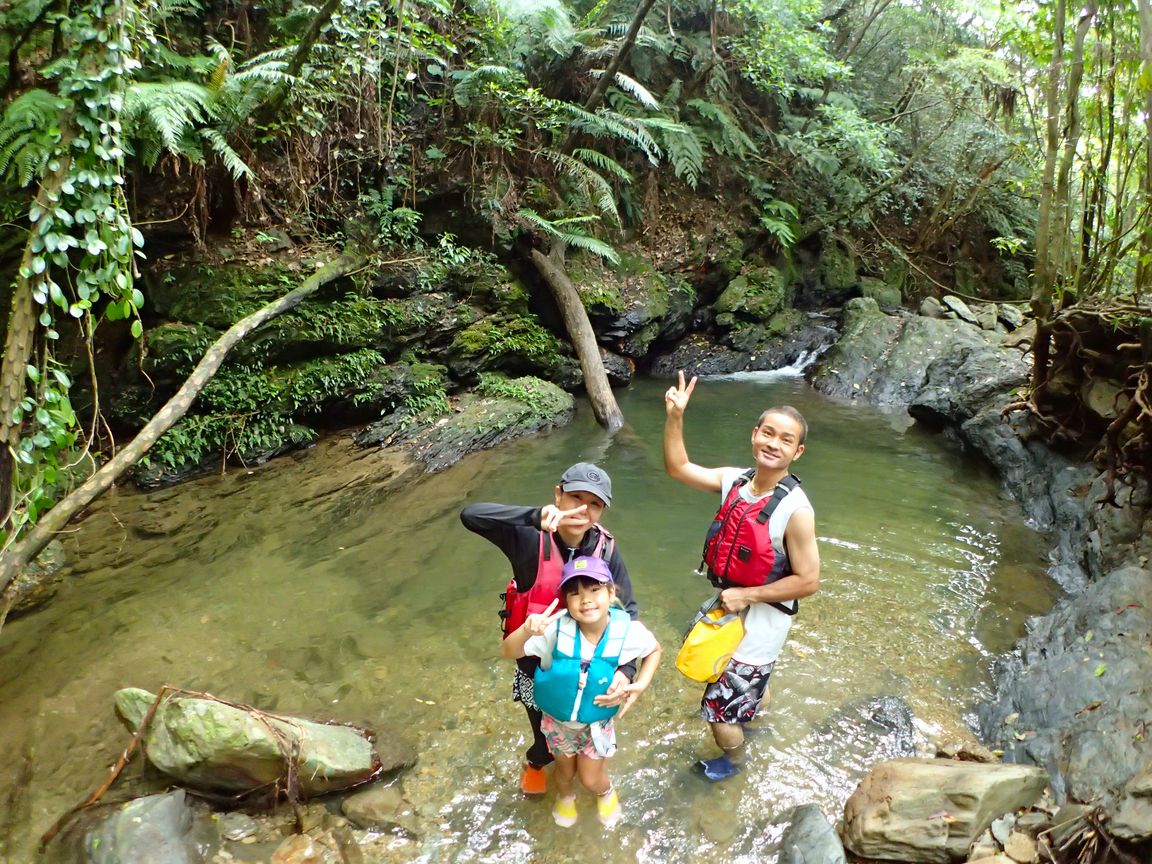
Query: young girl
[[579, 650]]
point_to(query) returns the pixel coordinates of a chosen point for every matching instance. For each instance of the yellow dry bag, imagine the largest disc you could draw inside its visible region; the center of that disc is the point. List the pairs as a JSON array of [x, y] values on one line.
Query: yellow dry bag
[[710, 642]]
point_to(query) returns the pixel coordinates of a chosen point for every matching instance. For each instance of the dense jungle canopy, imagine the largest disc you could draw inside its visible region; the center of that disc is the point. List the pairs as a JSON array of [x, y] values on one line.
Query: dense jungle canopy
[[942, 146]]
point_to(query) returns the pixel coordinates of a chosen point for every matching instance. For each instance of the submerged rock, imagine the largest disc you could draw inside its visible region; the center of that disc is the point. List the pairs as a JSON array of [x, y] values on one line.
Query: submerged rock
[[810, 839], [213, 745]]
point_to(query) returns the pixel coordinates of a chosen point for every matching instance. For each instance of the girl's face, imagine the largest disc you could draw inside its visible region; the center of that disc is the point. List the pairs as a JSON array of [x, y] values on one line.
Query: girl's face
[[588, 601]]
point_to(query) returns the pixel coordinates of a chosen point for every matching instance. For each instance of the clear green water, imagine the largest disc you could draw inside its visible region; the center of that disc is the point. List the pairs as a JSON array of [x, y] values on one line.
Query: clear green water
[[304, 588]]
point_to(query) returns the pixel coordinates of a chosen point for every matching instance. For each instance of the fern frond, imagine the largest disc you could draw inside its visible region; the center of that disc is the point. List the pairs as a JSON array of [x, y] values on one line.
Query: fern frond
[[609, 124], [591, 244], [686, 155], [572, 238], [535, 219], [231, 159], [603, 162], [167, 108], [26, 129], [467, 80], [594, 186], [731, 140], [632, 87]]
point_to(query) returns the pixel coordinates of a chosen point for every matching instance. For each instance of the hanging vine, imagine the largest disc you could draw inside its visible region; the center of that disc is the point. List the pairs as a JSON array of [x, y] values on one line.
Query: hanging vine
[[77, 263]]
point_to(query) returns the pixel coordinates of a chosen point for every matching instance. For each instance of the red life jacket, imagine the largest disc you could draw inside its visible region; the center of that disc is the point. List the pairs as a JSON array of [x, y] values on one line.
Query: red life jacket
[[518, 605], [738, 548]]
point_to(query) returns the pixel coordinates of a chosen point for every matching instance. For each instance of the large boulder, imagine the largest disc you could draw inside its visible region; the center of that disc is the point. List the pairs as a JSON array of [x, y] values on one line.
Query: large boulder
[[1078, 700], [882, 359], [930, 811], [961, 382], [756, 295], [214, 745]]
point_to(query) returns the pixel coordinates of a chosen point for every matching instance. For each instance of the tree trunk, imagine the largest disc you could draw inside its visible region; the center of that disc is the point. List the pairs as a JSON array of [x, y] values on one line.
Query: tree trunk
[[1063, 204], [1042, 286], [18, 343], [583, 338], [17, 556], [551, 266], [1144, 254], [299, 58]]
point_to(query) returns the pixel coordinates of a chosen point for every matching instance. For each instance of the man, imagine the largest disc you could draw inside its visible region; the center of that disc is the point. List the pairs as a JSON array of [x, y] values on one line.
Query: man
[[538, 541], [761, 552]]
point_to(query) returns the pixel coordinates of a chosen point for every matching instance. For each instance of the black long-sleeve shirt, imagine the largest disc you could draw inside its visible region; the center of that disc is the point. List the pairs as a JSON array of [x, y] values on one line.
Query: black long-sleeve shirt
[[515, 531]]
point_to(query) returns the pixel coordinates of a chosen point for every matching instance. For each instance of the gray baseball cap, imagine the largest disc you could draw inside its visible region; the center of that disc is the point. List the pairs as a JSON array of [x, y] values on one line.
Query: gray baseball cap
[[586, 477]]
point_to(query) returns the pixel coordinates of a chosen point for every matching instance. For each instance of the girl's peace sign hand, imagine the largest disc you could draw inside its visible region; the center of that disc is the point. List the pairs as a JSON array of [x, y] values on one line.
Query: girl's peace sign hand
[[536, 624]]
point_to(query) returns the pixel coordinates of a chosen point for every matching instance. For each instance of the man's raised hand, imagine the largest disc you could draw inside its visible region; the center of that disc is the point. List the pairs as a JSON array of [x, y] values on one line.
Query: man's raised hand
[[536, 624], [552, 517], [677, 396]]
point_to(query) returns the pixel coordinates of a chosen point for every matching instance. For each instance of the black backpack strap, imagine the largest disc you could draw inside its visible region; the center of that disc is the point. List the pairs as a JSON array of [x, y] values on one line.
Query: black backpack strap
[[786, 485]]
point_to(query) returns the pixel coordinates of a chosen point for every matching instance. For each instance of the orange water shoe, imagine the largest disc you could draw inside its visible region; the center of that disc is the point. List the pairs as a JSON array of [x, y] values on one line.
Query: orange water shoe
[[533, 781]]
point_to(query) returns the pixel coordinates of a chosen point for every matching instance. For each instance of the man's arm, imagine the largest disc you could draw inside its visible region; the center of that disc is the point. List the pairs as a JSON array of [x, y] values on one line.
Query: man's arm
[[676, 462], [803, 581]]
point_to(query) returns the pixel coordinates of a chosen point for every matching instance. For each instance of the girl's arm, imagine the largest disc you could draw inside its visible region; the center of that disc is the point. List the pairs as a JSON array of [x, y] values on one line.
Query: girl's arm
[[647, 670], [512, 648]]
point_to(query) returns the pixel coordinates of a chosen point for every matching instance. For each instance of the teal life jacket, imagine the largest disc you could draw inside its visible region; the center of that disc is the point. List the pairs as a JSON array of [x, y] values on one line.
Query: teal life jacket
[[567, 688]]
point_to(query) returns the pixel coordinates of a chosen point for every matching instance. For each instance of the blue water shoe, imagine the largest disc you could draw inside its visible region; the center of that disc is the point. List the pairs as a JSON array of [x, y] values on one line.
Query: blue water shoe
[[720, 768]]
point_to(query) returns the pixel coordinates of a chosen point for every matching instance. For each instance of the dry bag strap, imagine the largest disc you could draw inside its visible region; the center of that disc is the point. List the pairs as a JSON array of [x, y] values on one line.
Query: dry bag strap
[[710, 604]]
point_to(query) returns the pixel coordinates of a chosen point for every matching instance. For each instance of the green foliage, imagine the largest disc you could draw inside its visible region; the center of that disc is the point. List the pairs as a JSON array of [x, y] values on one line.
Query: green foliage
[[395, 226], [28, 130], [428, 396], [81, 244], [498, 386], [780, 44], [578, 239], [245, 411]]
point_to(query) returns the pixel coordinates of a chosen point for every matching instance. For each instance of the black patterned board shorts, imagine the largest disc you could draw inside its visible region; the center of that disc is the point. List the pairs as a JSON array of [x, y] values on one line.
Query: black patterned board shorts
[[522, 689], [736, 697]]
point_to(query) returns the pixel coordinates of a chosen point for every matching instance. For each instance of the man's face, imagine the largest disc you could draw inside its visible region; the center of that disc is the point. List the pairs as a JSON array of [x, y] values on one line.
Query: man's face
[[571, 500], [776, 442]]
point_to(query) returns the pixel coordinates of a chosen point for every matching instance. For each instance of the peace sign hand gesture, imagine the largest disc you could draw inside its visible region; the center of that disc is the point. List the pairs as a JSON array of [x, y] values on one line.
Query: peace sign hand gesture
[[537, 623], [677, 396], [552, 517]]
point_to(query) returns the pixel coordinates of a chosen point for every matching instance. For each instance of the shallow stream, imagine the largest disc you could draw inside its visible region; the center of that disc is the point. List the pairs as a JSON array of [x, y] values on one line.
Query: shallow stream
[[304, 586]]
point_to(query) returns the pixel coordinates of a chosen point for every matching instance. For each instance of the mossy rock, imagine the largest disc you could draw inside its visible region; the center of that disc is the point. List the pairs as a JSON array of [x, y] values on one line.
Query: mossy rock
[[499, 410], [887, 296], [247, 415], [217, 295], [784, 322], [896, 275], [173, 349], [757, 294], [633, 288], [837, 269], [516, 344]]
